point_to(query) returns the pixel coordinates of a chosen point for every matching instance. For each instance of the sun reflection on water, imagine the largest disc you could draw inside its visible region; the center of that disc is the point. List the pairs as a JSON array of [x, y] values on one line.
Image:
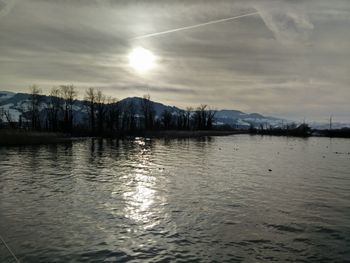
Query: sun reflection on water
[[141, 193], [139, 202]]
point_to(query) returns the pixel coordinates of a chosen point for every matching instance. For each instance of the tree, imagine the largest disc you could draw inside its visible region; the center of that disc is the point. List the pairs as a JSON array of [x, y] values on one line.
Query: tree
[[181, 119], [128, 117], [90, 97], [148, 112], [112, 114], [101, 110], [167, 119], [2, 114], [200, 117], [204, 117], [188, 117], [210, 115], [69, 95], [9, 119], [54, 108], [34, 102], [303, 130]]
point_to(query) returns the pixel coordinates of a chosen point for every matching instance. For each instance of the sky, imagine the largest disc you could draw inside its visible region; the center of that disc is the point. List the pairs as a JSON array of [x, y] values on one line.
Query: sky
[[291, 59]]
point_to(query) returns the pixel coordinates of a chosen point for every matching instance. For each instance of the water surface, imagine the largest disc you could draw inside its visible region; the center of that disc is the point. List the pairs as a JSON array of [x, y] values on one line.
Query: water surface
[[218, 199]]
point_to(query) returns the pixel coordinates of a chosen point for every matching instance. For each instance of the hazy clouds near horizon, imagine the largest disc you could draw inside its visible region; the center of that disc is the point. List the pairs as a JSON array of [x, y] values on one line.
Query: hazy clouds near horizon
[[290, 60]]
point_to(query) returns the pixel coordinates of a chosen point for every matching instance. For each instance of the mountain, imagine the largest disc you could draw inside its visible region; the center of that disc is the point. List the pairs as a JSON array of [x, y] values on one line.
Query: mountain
[[243, 120], [18, 103], [4, 95], [159, 108]]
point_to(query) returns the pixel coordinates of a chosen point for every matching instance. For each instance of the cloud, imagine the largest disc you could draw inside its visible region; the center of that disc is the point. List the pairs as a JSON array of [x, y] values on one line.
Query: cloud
[[6, 6], [259, 63], [288, 21], [148, 89]]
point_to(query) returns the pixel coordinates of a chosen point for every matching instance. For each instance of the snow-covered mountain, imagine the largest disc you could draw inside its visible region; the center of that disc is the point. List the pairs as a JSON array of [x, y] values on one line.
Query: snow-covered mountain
[[4, 95], [325, 125], [240, 119], [18, 103]]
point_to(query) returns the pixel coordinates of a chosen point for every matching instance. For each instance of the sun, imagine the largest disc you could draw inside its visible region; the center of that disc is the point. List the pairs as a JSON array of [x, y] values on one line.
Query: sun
[[141, 59]]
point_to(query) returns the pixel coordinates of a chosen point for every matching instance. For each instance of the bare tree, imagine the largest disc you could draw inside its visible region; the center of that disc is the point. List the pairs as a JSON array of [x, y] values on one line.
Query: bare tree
[[148, 112], [54, 108], [129, 117], [188, 112], [113, 114], [34, 100], [90, 97], [181, 119], [9, 119], [204, 117], [167, 119], [69, 95], [210, 115], [101, 110], [2, 114], [200, 117]]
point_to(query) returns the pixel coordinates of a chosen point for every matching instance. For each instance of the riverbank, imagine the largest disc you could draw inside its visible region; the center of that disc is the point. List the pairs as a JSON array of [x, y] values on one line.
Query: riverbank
[[184, 133], [19, 137], [14, 137]]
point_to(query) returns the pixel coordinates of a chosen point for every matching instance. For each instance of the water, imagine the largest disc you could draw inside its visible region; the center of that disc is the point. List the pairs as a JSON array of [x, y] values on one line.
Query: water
[[192, 200]]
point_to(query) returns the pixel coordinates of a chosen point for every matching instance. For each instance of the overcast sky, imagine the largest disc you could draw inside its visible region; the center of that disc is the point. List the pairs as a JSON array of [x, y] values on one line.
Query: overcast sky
[[292, 59]]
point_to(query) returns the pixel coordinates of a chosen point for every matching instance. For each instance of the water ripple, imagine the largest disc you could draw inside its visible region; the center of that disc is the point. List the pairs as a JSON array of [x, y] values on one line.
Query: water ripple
[[225, 199]]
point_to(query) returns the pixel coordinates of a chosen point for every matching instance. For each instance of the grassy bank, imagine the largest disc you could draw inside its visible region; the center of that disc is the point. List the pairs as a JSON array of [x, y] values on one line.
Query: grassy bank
[[15, 137]]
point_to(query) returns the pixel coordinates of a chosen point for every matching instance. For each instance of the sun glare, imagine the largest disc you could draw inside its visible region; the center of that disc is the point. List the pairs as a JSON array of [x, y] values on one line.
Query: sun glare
[[141, 59]]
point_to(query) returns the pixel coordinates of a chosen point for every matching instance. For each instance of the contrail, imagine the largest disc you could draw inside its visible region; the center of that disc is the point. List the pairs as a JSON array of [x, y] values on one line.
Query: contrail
[[194, 26]]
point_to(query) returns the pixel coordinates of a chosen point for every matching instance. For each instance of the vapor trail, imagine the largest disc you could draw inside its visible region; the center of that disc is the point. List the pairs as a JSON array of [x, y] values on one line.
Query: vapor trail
[[194, 26]]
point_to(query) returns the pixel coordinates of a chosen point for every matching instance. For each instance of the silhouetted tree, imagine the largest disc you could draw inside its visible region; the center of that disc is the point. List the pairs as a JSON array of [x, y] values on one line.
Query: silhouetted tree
[[2, 114], [101, 110], [34, 101], [203, 117], [9, 119], [181, 119], [112, 114], [148, 112], [188, 112], [129, 117], [54, 108], [68, 94], [90, 97], [210, 115], [303, 130], [167, 119], [200, 116], [291, 126]]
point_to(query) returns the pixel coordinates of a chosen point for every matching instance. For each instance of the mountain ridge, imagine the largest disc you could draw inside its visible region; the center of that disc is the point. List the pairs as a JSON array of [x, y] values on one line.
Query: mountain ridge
[[17, 103]]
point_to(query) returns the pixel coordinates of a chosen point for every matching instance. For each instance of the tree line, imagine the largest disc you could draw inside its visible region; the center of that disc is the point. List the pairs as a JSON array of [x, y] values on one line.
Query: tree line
[[101, 114]]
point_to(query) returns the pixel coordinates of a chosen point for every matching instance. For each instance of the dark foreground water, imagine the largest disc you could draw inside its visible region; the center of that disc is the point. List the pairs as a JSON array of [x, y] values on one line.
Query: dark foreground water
[[193, 200]]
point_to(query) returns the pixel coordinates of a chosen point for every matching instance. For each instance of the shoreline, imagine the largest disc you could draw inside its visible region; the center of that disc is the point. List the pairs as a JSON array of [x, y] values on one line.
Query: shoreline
[[19, 138], [183, 134], [22, 138]]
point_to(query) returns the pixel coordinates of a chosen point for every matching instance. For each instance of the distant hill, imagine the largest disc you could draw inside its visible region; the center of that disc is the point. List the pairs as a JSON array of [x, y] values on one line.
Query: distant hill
[[158, 107], [18, 103], [4, 95]]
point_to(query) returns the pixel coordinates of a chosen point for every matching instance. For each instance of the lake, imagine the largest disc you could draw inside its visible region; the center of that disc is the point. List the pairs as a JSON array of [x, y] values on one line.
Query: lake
[[238, 198]]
